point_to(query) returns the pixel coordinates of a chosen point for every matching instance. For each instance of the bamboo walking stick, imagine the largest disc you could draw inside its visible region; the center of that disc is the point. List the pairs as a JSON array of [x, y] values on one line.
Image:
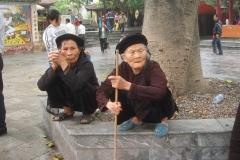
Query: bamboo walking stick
[[116, 101]]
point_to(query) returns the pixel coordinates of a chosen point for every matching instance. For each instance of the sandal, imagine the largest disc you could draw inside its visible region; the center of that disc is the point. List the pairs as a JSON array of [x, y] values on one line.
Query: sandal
[[128, 125], [62, 116], [161, 129], [88, 119]]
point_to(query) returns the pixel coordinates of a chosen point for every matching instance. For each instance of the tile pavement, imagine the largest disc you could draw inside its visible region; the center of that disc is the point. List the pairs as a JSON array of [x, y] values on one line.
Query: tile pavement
[[24, 114]]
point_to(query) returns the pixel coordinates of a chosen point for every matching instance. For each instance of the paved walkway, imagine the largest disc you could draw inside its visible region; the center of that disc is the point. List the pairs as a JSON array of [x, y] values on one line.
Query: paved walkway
[[24, 115]]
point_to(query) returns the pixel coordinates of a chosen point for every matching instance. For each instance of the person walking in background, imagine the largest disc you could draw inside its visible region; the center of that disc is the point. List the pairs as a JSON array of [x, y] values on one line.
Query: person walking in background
[[116, 25], [72, 16], [70, 27], [76, 21], [99, 21], [111, 20], [238, 21], [116, 17], [55, 29], [107, 20], [122, 20], [102, 36], [227, 21], [81, 31], [103, 21], [217, 32], [3, 127]]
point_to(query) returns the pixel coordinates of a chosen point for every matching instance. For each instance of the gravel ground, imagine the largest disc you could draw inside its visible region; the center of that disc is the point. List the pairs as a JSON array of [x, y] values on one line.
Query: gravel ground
[[201, 106]]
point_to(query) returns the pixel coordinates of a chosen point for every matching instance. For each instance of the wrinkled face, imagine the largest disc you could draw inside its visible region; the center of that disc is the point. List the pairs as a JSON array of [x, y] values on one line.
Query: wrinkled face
[[135, 55], [71, 51], [56, 23]]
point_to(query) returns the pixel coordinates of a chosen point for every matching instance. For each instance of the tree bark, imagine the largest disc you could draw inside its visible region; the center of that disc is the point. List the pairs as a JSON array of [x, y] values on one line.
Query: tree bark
[[171, 27]]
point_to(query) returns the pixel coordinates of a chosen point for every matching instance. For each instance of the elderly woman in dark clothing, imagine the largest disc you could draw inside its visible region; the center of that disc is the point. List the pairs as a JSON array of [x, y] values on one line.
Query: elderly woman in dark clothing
[[234, 148], [143, 93], [70, 82]]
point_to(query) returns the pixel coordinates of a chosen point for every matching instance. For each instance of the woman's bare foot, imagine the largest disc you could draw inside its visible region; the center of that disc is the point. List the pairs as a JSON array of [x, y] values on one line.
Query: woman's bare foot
[[67, 110], [136, 121], [165, 121], [85, 120]]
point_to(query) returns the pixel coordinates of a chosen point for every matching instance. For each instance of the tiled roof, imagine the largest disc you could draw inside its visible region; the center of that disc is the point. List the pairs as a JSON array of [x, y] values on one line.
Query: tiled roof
[[46, 2], [92, 7], [30, 1]]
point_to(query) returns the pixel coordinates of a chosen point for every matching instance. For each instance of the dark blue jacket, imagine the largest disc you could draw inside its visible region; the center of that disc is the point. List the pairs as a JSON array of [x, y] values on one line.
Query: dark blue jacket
[[217, 28]]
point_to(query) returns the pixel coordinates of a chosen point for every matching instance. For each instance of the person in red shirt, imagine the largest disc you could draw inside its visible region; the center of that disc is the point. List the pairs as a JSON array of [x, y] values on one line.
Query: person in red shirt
[[76, 21], [103, 19]]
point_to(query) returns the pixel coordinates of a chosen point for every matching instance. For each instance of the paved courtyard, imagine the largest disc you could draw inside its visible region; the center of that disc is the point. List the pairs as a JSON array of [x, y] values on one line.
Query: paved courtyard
[[24, 115]]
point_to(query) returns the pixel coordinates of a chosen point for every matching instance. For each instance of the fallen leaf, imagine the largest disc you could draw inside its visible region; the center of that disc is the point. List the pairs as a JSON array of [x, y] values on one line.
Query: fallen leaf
[[58, 157], [179, 97], [42, 136], [36, 89], [50, 144], [29, 77], [107, 69], [104, 76], [40, 74], [229, 81], [190, 112]]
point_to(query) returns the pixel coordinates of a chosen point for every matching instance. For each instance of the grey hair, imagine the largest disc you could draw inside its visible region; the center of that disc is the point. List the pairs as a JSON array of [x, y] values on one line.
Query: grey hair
[[147, 50], [148, 53]]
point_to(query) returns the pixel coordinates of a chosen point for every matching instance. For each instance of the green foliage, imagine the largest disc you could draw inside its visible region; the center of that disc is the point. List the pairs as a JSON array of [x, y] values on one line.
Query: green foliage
[[210, 2], [123, 5], [225, 3], [78, 1], [136, 5], [62, 6]]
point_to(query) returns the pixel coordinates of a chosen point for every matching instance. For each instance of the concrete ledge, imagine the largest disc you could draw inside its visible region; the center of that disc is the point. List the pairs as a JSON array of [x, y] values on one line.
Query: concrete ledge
[[187, 139]]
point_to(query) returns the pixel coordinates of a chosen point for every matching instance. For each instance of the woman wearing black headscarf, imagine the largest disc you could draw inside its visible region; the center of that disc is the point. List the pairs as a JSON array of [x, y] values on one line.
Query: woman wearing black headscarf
[[70, 82]]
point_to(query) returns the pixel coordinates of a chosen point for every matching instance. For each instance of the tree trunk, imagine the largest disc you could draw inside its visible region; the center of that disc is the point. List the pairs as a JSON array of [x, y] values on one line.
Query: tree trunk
[[171, 27]]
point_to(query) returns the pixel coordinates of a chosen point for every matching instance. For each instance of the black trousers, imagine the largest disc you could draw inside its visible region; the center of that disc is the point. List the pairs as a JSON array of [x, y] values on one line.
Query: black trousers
[[158, 109], [2, 105], [102, 43], [83, 100], [122, 27], [234, 152]]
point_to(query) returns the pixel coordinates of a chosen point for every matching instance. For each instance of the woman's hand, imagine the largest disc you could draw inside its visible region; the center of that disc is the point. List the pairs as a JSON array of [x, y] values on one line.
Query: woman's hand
[[87, 53], [58, 59], [115, 108], [119, 83]]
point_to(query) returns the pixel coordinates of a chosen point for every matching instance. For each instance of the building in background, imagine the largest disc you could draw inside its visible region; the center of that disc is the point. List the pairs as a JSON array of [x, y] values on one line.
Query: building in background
[[21, 33]]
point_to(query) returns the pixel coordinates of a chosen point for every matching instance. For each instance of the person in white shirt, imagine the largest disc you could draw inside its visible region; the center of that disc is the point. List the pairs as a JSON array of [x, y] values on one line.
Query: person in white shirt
[[70, 27], [227, 21], [81, 31], [55, 29]]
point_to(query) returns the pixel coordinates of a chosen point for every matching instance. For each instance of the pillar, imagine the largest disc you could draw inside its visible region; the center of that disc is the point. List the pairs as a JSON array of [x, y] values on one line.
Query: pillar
[[218, 9], [104, 1], [230, 12]]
